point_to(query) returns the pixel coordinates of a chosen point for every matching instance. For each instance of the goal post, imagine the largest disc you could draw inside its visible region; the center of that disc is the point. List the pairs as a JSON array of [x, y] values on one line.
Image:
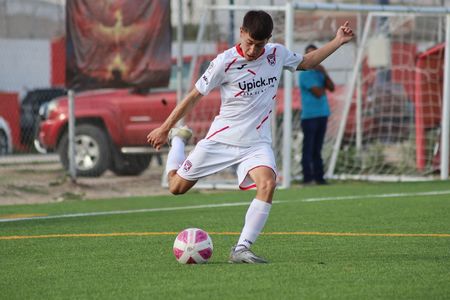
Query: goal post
[[445, 137]]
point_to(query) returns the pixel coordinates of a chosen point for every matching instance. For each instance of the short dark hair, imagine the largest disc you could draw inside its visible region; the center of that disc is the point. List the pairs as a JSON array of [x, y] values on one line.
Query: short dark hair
[[258, 24], [310, 47]]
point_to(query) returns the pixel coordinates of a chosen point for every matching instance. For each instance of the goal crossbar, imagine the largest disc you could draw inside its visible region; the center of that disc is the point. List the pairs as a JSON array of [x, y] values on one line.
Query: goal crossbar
[[344, 7]]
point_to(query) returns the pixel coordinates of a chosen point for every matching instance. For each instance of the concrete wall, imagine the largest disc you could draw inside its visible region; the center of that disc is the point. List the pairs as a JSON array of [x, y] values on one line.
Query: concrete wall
[[24, 64], [25, 19]]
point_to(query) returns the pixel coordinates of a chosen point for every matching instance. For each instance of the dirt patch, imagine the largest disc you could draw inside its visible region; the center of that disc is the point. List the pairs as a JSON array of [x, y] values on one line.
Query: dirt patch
[[32, 181]]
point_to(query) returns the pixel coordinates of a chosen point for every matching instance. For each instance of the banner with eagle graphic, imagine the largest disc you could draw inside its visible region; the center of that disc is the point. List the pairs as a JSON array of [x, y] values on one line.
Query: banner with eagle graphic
[[118, 43]]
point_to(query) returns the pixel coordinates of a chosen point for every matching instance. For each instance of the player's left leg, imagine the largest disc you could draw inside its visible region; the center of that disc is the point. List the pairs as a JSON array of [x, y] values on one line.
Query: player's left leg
[[259, 208], [261, 168], [265, 180]]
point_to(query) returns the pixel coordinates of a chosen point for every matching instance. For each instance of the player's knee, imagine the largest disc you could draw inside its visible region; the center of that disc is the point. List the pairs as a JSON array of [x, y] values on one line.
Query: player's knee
[[267, 185], [177, 189], [176, 186]]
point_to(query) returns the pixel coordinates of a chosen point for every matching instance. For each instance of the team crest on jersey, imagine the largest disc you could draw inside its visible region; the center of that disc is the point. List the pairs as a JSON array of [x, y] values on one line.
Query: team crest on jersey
[[187, 165], [271, 59]]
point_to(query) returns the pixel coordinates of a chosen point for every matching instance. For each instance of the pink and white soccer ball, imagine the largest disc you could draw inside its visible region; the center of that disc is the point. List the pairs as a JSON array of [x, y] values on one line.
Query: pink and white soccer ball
[[193, 246]]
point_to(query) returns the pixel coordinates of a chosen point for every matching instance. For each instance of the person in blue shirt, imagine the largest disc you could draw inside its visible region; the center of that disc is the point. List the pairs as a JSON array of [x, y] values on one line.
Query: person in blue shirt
[[314, 117]]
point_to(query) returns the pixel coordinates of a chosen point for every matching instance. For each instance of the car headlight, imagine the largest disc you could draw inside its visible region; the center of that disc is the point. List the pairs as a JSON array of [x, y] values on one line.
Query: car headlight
[[47, 108]]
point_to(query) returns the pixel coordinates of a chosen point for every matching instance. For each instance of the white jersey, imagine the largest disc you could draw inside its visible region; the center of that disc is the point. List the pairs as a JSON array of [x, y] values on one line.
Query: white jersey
[[248, 91]]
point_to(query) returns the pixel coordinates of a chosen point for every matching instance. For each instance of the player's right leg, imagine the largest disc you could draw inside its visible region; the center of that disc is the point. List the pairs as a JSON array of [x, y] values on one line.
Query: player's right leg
[[178, 185], [178, 138]]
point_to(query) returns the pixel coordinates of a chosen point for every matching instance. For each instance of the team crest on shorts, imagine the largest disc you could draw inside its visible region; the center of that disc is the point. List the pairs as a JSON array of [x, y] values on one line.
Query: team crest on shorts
[[187, 165]]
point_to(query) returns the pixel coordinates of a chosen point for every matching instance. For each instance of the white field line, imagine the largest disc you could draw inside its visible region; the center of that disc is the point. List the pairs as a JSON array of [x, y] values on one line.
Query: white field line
[[394, 195], [123, 212]]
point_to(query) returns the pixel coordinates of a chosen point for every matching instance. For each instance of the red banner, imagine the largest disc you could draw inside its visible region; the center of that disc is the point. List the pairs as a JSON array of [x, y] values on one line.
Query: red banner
[[118, 43]]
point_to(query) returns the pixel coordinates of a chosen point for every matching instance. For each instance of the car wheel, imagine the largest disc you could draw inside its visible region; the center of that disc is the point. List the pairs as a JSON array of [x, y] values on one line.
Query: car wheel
[[132, 164], [92, 151]]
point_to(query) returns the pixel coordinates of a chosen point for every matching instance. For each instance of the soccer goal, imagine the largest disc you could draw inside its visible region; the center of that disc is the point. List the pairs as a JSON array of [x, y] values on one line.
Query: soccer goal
[[390, 110], [392, 122]]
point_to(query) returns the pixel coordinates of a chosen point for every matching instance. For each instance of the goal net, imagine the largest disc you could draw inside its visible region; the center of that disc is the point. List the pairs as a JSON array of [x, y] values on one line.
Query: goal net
[[386, 111], [388, 126]]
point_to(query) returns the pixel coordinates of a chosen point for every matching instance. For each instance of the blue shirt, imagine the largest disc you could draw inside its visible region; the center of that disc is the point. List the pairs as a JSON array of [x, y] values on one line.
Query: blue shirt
[[312, 106]]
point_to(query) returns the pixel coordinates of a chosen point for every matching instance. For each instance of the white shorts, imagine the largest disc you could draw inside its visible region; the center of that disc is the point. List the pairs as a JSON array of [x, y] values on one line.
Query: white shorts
[[210, 157]]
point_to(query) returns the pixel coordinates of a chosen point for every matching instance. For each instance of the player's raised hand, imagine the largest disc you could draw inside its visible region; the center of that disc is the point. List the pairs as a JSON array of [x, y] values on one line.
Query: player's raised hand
[[344, 33], [157, 138]]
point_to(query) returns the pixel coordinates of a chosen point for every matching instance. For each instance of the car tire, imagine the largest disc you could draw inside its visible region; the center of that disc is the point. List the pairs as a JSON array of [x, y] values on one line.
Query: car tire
[[131, 164], [92, 151]]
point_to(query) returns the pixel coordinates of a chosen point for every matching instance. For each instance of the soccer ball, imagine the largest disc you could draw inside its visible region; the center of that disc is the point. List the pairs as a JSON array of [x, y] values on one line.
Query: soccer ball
[[192, 246]]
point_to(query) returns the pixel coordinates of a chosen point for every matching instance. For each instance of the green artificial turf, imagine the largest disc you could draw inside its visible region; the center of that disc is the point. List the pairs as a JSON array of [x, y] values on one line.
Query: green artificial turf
[[349, 240]]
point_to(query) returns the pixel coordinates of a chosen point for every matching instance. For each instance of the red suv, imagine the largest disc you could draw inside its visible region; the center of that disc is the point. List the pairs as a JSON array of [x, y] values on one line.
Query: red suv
[[112, 125]]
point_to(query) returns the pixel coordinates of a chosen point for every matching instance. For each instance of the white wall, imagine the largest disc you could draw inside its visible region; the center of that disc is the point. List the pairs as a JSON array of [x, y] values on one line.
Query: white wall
[[339, 65], [24, 64]]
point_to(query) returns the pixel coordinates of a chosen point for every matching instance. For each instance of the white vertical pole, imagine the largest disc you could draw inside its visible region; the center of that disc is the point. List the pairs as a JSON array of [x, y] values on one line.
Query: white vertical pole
[[180, 55], [287, 114], [71, 146], [359, 93], [348, 98], [198, 42], [445, 121]]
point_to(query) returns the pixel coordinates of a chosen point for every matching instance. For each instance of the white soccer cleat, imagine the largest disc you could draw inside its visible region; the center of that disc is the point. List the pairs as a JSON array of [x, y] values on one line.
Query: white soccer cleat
[[245, 256], [184, 132]]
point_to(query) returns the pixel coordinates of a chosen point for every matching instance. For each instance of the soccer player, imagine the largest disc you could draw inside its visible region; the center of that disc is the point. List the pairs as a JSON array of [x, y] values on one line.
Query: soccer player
[[248, 76]]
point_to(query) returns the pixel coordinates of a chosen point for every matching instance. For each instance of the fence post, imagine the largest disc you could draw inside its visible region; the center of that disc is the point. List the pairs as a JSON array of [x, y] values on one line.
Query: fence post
[[71, 147], [287, 113]]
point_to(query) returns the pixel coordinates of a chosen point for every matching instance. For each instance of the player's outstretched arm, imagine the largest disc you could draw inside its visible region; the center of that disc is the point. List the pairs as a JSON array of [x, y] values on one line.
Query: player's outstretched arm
[[158, 137], [313, 58]]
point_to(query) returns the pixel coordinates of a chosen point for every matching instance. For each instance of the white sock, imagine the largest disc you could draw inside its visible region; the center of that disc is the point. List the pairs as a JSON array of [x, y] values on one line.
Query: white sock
[[255, 219], [176, 155]]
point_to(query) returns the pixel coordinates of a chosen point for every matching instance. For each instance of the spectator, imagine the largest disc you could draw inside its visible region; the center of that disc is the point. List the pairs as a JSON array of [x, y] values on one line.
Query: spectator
[[314, 117]]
